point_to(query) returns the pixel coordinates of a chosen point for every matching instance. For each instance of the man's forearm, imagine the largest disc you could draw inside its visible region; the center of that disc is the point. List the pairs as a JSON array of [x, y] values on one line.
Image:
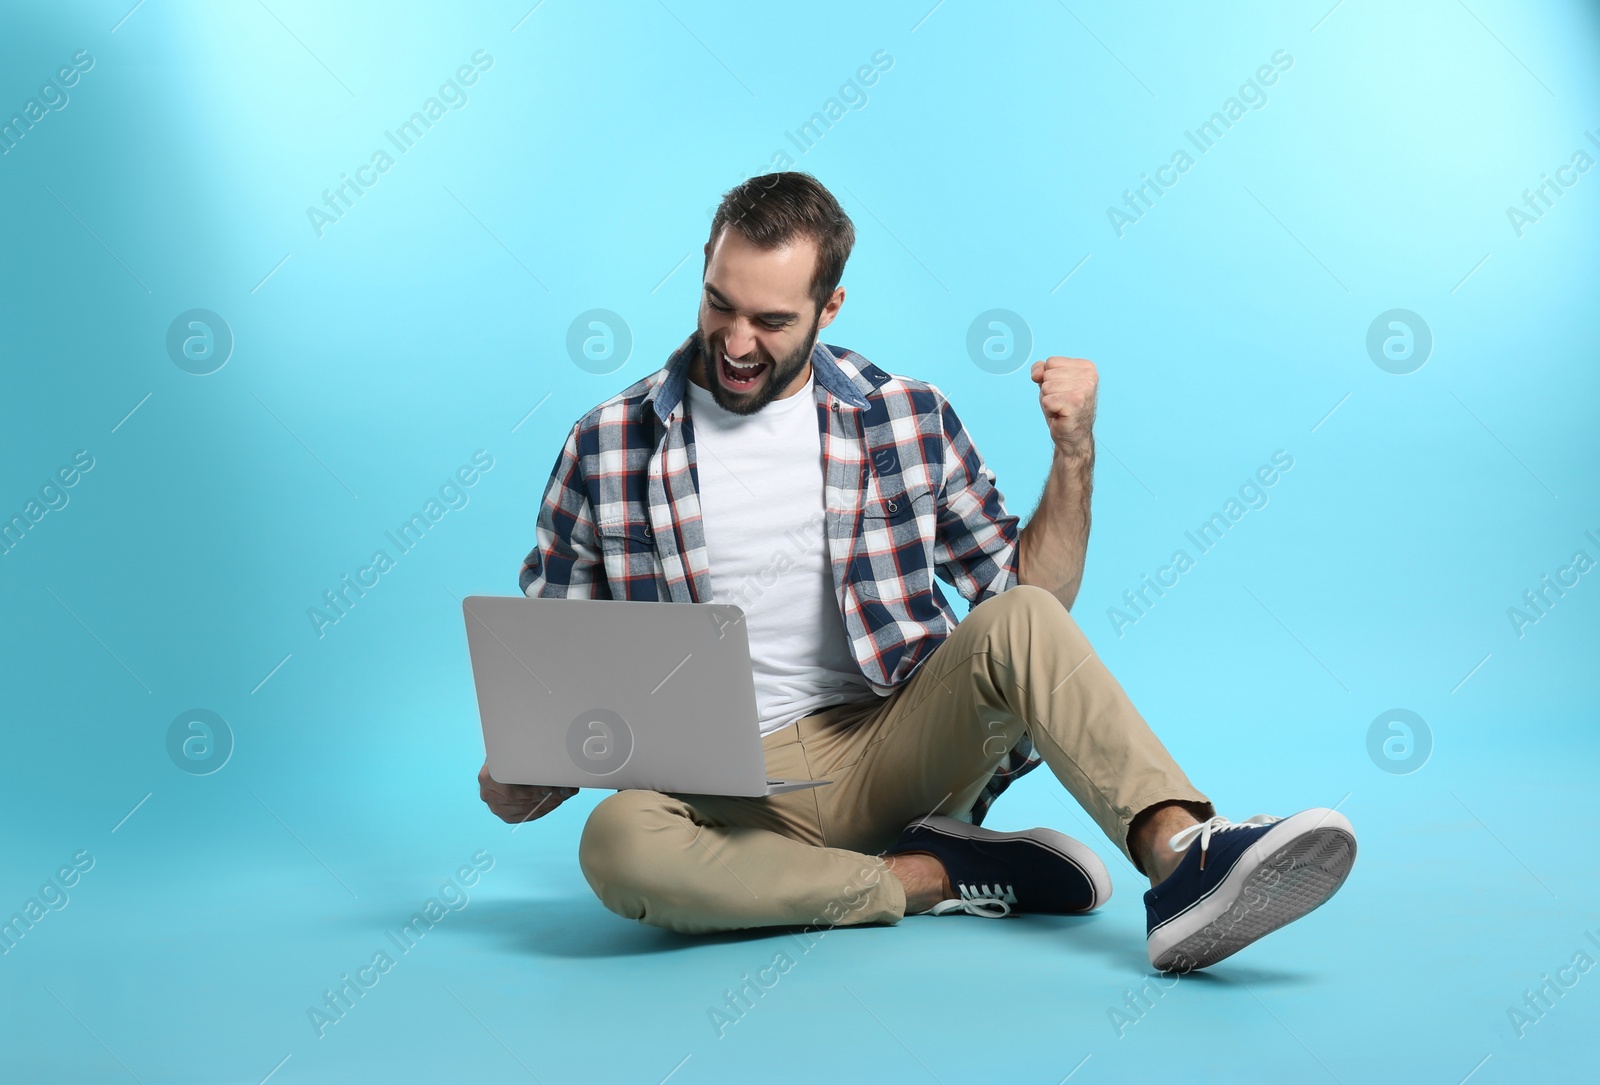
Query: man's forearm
[[1051, 548]]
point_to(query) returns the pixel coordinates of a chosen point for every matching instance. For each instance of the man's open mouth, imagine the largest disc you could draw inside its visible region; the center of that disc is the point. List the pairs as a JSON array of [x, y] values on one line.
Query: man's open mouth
[[738, 377]]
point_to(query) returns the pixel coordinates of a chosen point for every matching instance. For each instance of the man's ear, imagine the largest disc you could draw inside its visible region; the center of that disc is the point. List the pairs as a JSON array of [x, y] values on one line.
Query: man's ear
[[831, 310]]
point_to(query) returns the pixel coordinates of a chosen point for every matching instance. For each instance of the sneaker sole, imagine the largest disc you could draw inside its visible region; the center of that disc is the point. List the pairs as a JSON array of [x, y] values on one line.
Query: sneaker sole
[[1059, 844], [1289, 872]]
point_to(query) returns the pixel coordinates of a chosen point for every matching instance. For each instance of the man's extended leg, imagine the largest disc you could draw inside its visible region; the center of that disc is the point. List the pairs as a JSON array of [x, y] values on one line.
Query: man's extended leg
[[1017, 661], [1020, 660]]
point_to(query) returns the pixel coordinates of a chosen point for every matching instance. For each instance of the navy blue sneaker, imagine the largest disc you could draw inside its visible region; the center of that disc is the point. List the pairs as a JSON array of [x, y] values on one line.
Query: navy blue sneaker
[[1241, 881], [1039, 870]]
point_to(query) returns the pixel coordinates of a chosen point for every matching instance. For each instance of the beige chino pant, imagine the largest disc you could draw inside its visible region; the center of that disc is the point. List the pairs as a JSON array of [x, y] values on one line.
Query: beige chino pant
[[1017, 662]]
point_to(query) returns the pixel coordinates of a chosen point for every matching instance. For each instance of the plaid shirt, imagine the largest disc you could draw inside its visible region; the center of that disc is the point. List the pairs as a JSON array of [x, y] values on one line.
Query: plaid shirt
[[906, 494]]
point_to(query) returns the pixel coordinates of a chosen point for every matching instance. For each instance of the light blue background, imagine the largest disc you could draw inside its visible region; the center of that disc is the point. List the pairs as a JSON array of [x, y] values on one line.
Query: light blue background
[[429, 322]]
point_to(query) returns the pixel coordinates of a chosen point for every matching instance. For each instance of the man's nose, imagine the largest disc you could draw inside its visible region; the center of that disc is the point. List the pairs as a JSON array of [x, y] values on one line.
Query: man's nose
[[740, 340]]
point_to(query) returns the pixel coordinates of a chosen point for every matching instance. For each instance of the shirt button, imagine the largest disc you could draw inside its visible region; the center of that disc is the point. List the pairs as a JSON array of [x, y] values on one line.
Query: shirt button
[[836, 408], [893, 507]]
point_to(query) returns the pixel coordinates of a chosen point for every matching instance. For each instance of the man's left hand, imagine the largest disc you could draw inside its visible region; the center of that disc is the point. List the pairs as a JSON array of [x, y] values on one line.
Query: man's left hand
[[1067, 396]]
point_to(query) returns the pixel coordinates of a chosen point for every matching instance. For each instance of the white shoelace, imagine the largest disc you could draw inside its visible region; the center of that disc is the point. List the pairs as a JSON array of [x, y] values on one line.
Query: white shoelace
[[986, 902], [1181, 840]]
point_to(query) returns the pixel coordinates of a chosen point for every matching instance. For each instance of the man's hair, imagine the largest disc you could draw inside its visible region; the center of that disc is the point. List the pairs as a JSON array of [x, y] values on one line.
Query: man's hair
[[772, 209]]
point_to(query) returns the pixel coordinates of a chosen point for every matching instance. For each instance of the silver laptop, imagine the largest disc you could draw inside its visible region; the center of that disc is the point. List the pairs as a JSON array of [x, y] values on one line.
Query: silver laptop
[[618, 694]]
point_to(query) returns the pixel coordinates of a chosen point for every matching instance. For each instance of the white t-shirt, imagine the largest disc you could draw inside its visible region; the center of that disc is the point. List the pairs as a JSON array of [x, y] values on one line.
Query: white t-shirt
[[761, 505]]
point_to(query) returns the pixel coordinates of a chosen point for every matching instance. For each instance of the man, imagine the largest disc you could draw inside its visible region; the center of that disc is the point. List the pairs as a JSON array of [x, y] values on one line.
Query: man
[[821, 494]]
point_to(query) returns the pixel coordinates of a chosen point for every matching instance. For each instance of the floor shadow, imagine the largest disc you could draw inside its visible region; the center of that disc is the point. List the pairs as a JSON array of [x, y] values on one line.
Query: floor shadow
[[580, 928], [1091, 933], [1109, 940], [1230, 973]]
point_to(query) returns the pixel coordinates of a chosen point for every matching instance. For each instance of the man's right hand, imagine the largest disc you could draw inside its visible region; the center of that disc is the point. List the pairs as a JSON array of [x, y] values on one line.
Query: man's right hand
[[516, 803]]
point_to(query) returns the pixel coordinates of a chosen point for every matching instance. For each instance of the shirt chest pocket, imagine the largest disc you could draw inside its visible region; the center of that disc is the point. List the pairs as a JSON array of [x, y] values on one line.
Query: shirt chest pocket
[[897, 508], [893, 555], [625, 533], [628, 551]]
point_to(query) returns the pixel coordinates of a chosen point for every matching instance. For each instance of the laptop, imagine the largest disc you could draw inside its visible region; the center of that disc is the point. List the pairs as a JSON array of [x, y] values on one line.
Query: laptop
[[618, 694]]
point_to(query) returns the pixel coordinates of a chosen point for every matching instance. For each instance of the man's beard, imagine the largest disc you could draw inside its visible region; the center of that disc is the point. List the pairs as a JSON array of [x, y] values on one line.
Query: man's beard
[[779, 375]]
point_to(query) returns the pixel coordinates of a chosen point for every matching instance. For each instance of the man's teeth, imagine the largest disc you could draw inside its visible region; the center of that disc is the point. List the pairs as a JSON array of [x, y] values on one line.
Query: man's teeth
[[742, 371]]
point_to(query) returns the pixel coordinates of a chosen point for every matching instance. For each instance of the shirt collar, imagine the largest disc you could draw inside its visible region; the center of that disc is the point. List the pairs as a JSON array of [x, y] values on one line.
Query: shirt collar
[[835, 375]]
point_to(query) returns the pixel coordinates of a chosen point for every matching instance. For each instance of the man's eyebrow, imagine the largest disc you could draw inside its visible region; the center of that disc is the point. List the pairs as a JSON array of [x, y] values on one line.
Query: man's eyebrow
[[776, 314]]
